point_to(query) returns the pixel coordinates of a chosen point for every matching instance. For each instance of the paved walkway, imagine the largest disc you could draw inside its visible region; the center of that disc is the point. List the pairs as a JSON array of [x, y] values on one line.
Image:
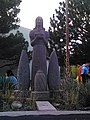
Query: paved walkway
[[45, 115], [21, 113]]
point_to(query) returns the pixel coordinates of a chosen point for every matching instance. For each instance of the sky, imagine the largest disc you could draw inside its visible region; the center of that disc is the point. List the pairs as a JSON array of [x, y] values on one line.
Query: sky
[[30, 9]]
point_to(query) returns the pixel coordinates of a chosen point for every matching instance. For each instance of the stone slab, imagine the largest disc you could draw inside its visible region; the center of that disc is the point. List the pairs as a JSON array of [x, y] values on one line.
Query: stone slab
[[44, 105]]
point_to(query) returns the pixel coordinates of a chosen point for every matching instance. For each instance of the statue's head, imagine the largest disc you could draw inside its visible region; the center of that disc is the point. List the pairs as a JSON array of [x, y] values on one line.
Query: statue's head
[[39, 22]]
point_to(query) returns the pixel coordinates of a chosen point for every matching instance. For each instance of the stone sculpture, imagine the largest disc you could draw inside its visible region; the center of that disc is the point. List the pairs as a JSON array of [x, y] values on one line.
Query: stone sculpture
[[39, 41], [40, 83], [23, 72], [53, 72]]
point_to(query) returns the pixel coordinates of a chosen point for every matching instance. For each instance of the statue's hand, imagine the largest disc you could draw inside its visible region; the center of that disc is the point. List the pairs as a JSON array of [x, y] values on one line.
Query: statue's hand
[[39, 35]]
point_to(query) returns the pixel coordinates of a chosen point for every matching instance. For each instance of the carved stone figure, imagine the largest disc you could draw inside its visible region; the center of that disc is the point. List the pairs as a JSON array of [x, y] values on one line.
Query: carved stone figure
[[40, 83], [53, 72], [23, 72], [39, 41]]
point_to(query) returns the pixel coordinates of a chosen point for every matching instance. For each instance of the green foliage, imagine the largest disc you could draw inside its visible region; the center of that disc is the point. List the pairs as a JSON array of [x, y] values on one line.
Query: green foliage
[[9, 96], [70, 94], [79, 30], [6, 89], [8, 15], [10, 45], [5, 84], [73, 96], [84, 95], [73, 71]]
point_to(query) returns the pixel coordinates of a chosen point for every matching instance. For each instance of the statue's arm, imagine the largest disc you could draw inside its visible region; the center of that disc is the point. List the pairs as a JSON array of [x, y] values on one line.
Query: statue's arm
[[33, 42], [32, 38], [46, 38], [37, 37]]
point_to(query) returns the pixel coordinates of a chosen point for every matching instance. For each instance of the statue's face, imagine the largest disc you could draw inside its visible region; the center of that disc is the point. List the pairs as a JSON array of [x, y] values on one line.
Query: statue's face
[[39, 22]]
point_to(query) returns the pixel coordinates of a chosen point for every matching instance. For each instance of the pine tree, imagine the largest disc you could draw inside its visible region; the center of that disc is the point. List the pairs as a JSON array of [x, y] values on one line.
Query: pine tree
[[79, 31], [8, 15], [11, 45]]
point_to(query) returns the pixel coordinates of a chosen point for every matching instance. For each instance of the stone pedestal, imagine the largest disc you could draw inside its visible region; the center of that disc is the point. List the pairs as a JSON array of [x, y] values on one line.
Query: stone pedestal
[[40, 95]]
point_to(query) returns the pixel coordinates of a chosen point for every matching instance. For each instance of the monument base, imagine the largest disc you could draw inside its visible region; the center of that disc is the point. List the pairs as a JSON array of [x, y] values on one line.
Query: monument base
[[40, 95]]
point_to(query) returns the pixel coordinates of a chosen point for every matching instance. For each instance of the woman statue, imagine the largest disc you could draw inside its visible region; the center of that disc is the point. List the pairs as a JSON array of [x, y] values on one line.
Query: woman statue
[[39, 41]]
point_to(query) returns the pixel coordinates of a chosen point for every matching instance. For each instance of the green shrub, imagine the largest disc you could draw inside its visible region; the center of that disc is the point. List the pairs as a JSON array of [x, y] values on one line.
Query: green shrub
[[5, 84], [73, 95], [70, 94], [73, 71], [6, 89], [84, 95]]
